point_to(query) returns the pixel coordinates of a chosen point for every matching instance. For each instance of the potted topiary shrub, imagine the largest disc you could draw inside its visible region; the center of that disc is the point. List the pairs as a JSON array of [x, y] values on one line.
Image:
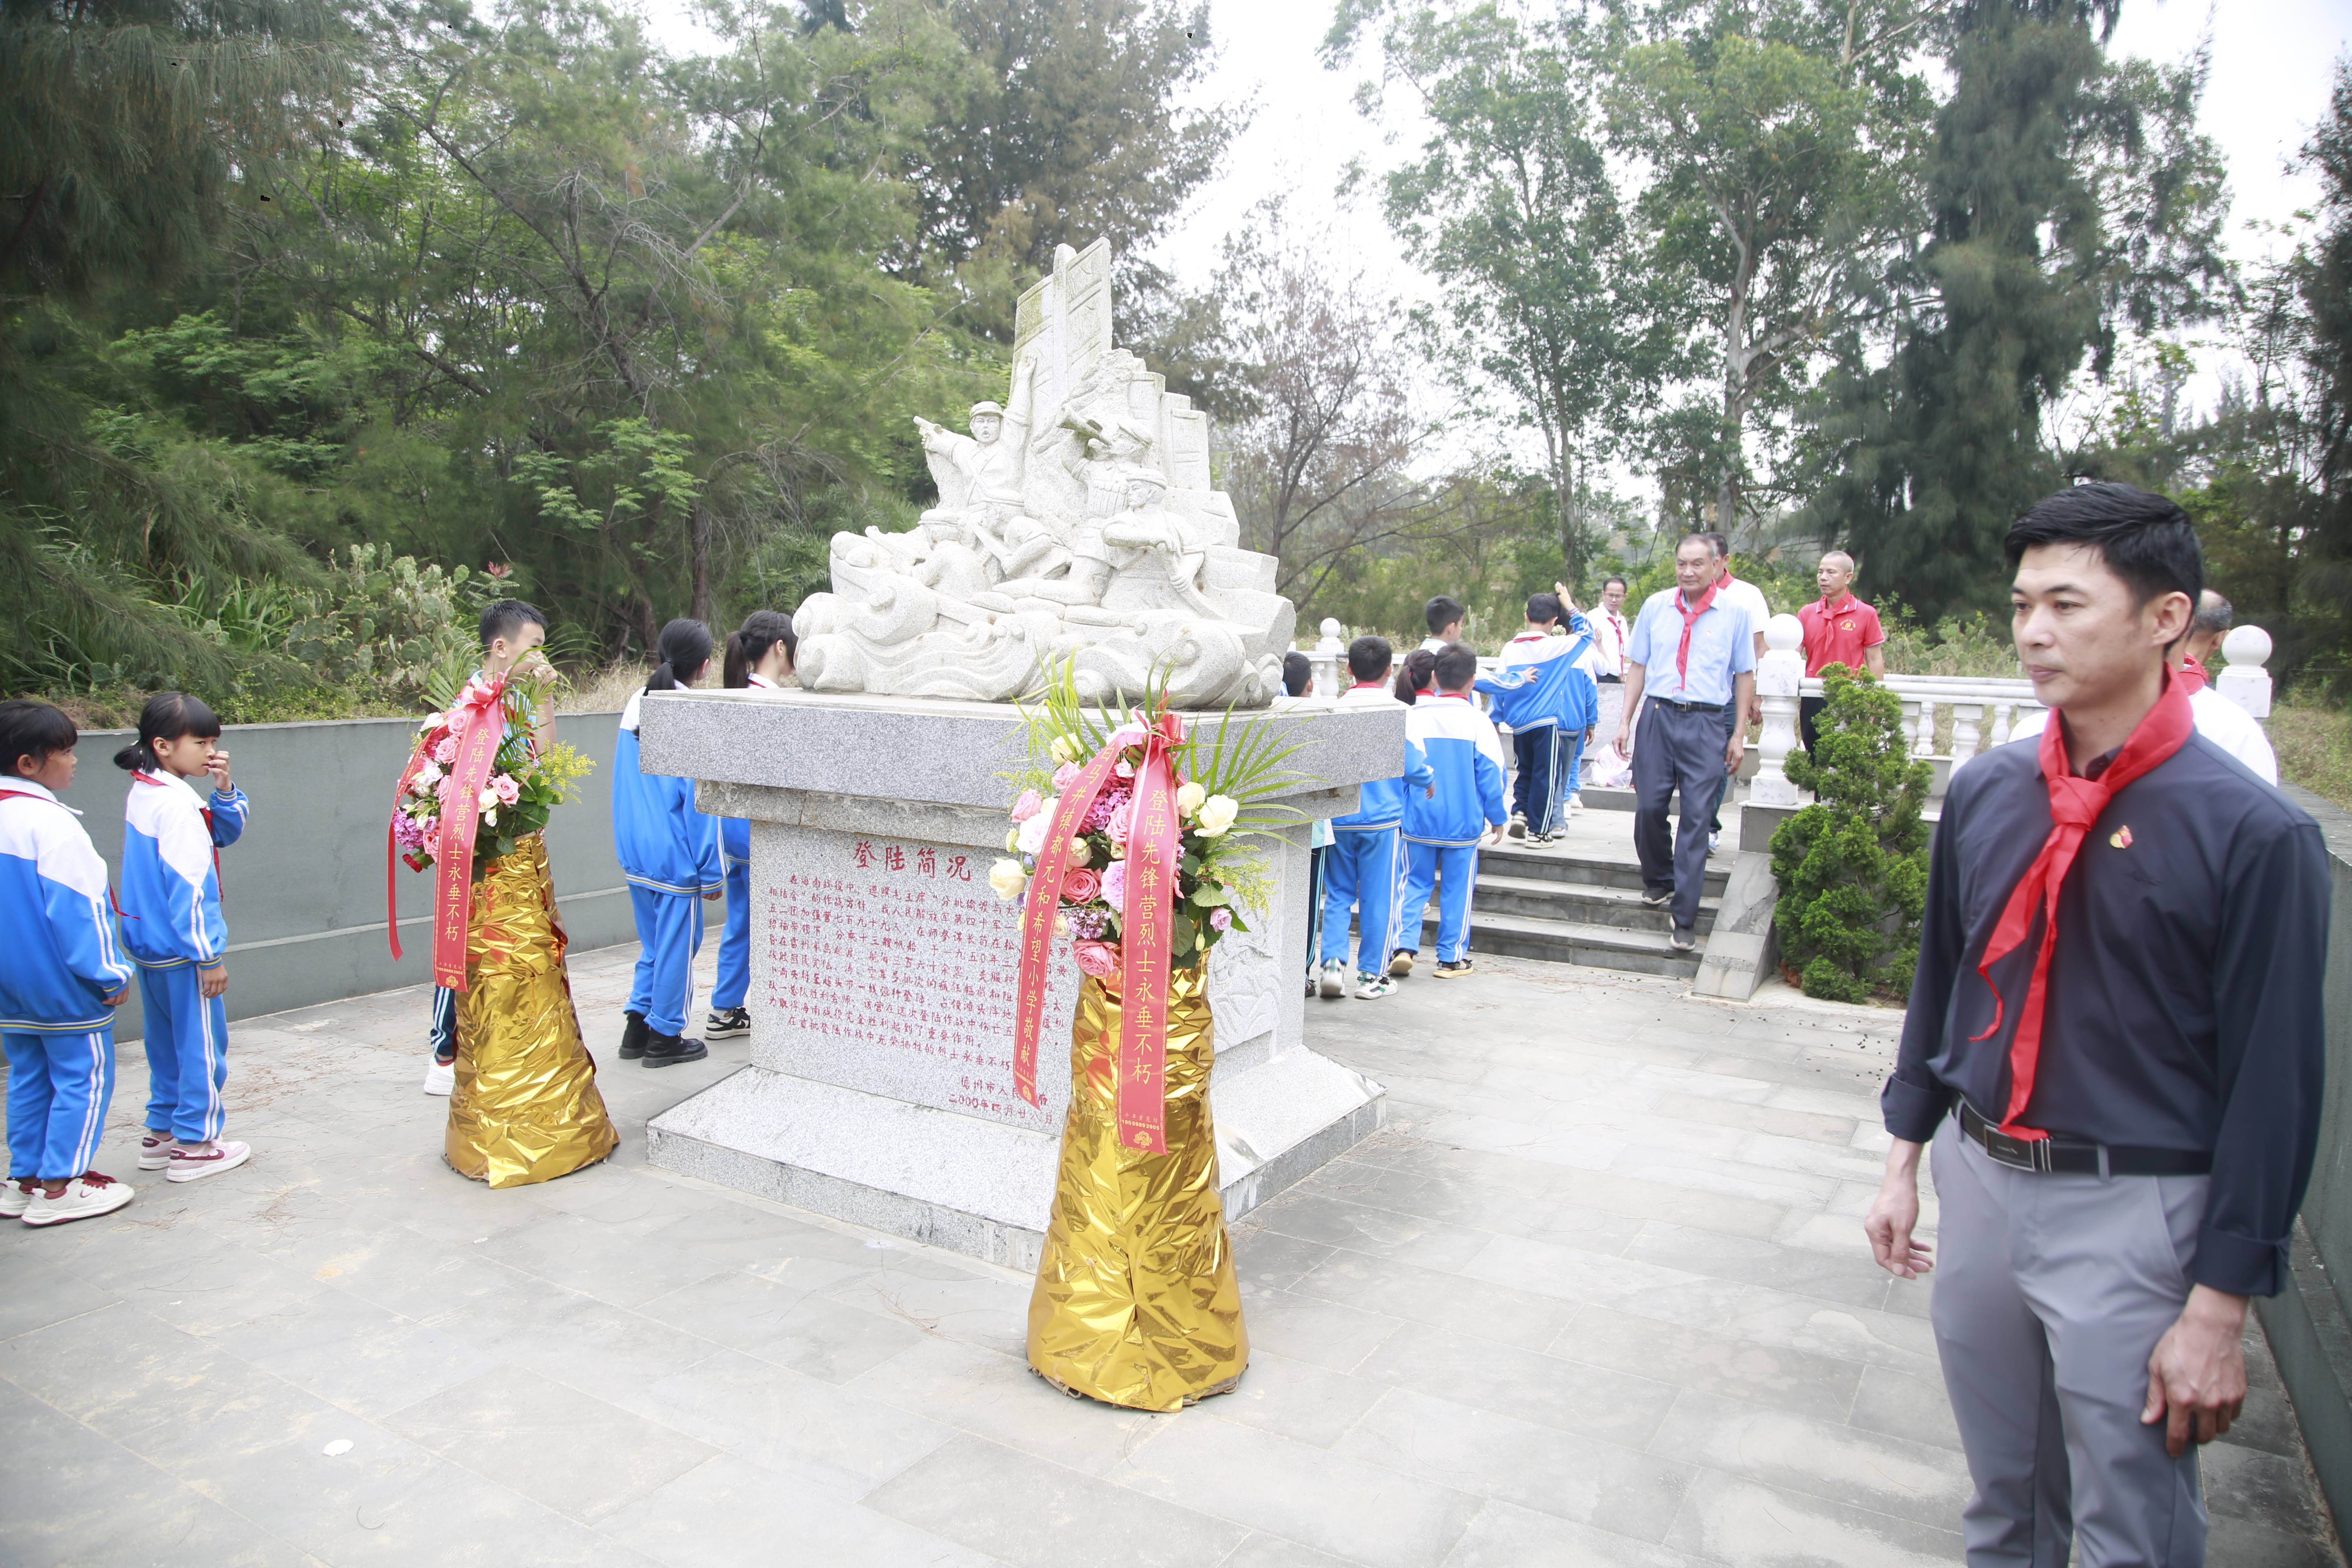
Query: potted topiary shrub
[[1853, 866]]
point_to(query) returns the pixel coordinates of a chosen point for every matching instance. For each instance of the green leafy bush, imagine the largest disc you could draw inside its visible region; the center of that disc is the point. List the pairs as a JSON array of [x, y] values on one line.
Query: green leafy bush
[[385, 621], [1853, 866]]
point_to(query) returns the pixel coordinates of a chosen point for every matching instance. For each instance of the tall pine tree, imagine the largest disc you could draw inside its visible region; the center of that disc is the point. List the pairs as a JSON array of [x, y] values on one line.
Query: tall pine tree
[[2070, 197]]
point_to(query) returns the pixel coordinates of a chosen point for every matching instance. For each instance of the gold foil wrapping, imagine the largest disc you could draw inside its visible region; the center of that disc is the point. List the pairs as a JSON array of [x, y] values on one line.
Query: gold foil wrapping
[[1136, 1303], [526, 1108]]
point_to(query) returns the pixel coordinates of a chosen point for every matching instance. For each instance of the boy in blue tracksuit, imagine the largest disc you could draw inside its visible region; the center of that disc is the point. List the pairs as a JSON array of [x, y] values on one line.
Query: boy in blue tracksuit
[[669, 855], [1545, 699], [171, 925], [1443, 825], [1364, 866], [62, 974]]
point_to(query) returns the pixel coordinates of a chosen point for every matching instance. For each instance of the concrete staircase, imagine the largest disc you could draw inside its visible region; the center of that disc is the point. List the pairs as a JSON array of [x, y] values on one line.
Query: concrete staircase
[[1579, 900]]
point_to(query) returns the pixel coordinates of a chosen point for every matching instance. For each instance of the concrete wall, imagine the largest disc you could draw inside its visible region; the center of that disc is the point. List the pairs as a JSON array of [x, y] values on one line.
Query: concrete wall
[[2310, 1323], [303, 890]]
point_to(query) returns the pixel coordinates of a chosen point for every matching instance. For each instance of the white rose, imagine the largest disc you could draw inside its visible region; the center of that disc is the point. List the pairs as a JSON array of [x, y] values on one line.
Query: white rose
[[1062, 751], [1189, 796], [1030, 837], [488, 801], [490, 817], [1012, 841], [1008, 878], [1079, 853], [1217, 814]]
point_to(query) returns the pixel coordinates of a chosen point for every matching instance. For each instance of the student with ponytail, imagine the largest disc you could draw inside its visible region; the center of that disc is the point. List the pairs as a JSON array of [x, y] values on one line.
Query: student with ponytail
[[173, 928], [669, 857], [759, 659]]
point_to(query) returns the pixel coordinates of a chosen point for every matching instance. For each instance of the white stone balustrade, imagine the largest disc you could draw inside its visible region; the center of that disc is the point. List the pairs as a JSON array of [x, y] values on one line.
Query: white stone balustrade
[[1328, 656], [1984, 709], [2245, 682], [1778, 676]]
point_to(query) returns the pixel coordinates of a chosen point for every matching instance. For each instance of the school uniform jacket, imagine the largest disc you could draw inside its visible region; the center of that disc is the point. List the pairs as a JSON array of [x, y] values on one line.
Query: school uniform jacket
[[1466, 761], [1546, 682], [171, 875], [664, 843], [62, 958], [1381, 803]]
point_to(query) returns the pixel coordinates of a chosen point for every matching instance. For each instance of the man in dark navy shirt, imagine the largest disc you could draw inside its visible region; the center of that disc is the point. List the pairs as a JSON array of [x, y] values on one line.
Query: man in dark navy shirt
[[2115, 1045]]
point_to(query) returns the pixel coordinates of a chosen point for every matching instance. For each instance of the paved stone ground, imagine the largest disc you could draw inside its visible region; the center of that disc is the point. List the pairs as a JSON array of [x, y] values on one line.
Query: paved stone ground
[[1596, 1297]]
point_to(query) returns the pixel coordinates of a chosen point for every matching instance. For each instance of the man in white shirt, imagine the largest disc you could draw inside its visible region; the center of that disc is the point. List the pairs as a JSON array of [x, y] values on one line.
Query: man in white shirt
[[1609, 630], [1748, 598]]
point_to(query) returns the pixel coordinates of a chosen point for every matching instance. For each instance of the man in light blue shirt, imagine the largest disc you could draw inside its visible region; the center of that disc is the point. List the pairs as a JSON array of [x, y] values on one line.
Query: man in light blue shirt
[[1693, 654]]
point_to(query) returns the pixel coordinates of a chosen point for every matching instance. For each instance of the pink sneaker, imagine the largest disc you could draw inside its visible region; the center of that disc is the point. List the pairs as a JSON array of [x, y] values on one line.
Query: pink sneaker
[[85, 1197], [154, 1151], [195, 1161]]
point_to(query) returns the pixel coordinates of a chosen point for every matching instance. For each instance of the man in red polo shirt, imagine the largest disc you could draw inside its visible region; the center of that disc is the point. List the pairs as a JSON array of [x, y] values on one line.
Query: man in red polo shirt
[[1839, 630]]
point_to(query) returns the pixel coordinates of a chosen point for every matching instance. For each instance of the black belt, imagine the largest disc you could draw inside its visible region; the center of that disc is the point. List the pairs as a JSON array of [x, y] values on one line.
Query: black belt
[[2077, 1156], [1610, 680], [1688, 707]]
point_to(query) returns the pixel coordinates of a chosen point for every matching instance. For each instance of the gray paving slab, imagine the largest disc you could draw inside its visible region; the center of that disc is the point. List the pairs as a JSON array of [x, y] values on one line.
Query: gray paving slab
[[1596, 1295]]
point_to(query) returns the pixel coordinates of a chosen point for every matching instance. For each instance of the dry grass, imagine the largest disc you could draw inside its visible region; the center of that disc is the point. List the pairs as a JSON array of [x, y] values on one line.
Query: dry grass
[[2314, 747], [605, 690]]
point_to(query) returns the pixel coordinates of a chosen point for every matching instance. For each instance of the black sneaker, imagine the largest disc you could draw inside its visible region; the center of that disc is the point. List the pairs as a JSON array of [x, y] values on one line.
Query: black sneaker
[[669, 1050], [634, 1036], [1684, 939], [1657, 899], [727, 1024]]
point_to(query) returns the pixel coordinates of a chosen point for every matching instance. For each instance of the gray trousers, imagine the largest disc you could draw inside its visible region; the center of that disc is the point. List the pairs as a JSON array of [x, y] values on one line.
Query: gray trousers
[[1676, 750], [2051, 1293]]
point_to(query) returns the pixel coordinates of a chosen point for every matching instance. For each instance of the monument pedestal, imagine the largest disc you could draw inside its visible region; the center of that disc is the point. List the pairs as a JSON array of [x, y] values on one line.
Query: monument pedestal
[[880, 1087]]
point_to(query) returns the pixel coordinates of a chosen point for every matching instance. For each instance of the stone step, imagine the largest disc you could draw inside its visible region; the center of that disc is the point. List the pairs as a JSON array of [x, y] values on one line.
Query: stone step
[[1579, 903], [1570, 866], [1570, 941]]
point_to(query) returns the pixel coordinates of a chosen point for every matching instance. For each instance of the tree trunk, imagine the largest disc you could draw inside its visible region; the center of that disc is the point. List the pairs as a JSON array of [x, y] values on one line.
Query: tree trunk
[[698, 529]]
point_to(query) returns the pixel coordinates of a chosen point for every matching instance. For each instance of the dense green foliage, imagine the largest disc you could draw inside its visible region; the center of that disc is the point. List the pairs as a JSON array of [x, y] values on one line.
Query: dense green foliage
[[1853, 866], [516, 291]]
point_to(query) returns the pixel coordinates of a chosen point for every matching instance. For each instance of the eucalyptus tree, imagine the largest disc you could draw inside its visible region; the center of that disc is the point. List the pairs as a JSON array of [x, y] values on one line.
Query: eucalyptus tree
[[1554, 304], [1781, 141]]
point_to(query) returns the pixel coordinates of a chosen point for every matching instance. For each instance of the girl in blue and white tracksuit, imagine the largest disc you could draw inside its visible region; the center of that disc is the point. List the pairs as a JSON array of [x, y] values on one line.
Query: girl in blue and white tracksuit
[[1444, 824], [1364, 867], [759, 659], [172, 927], [671, 858], [62, 973], [1545, 699]]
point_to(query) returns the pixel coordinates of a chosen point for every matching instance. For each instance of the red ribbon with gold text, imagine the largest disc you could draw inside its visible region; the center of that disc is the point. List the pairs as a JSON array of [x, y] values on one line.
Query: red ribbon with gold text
[[1154, 845], [2075, 804], [1037, 918], [477, 720]]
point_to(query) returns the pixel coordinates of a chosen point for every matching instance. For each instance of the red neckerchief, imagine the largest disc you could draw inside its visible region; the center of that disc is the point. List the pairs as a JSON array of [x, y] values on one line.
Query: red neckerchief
[[201, 810], [1457, 696], [1690, 615], [1829, 607], [1370, 686], [2074, 805], [2193, 676]]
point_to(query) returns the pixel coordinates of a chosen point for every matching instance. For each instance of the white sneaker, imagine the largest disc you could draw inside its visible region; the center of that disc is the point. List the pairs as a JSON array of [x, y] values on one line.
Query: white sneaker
[[1519, 828], [1575, 803], [1372, 987], [87, 1196], [195, 1161], [1713, 842], [16, 1197], [440, 1076], [154, 1151], [1335, 979]]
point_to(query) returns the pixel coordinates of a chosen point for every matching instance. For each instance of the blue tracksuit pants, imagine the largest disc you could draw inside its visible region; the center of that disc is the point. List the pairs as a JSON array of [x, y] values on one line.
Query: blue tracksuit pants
[[58, 1089], [669, 933], [1448, 870], [1546, 776], [445, 1024], [188, 1054], [1363, 869], [735, 943]]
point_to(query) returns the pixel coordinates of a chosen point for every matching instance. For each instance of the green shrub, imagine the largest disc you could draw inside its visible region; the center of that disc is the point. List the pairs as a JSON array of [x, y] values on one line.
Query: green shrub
[[1853, 866], [385, 624]]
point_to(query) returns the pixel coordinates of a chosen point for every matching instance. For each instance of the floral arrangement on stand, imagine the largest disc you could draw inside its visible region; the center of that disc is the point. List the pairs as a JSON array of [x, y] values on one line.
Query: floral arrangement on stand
[[1223, 774], [517, 798]]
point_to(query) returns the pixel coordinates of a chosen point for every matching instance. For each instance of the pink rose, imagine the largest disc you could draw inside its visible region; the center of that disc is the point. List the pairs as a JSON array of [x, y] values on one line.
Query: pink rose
[[1113, 886], [1099, 958], [1081, 887], [447, 751], [1026, 806], [507, 790], [1065, 776], [1122, 823], [1221, 919], [445, 790]]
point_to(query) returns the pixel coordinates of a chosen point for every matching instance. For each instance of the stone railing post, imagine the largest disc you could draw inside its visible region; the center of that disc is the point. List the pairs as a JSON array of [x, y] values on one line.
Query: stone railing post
[[1328, 656], [2245, 682], [1777, 678], [1965, 720]]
